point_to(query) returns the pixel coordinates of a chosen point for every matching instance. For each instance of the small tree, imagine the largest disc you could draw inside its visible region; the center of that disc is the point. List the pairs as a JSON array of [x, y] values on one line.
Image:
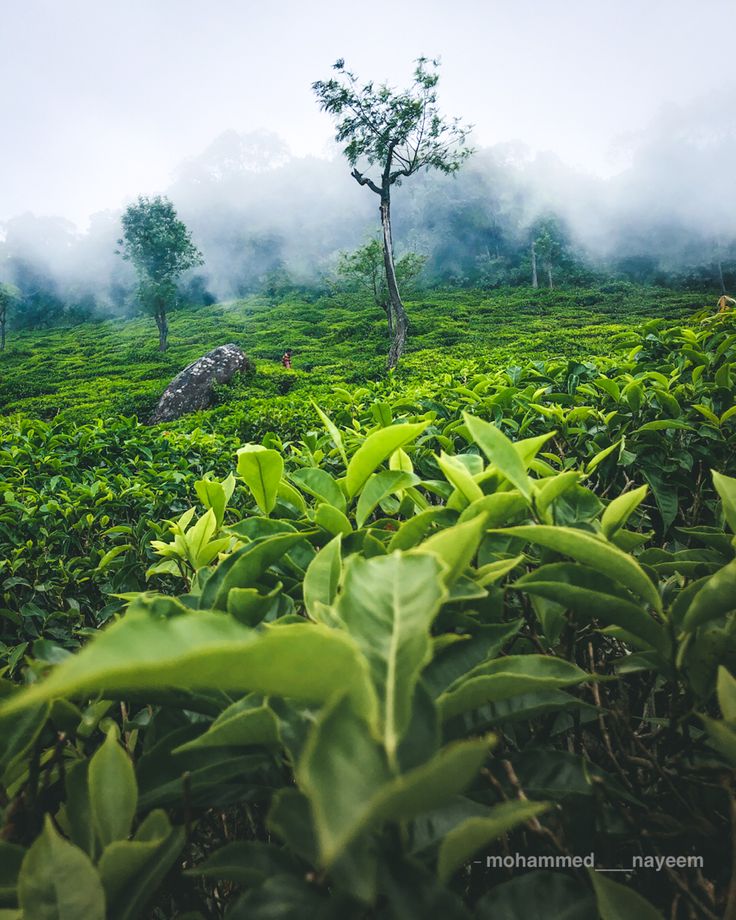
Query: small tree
[[549, 247], [160, 248], [400, 133], [365, 270], [8, 296]]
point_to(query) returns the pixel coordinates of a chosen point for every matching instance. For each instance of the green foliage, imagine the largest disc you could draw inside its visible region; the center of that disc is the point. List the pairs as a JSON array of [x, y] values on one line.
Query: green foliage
[[160, 248], [450, 624]]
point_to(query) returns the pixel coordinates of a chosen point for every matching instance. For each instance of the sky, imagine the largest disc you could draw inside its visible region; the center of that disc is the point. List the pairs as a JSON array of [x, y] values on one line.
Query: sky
[[101, 101]]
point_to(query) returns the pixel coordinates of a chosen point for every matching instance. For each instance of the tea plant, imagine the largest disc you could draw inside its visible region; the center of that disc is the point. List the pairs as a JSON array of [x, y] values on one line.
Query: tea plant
[[413, 644]]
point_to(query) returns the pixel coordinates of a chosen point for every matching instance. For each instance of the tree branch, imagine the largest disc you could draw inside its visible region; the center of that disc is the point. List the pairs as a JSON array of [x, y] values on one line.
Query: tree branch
[[364, 180]]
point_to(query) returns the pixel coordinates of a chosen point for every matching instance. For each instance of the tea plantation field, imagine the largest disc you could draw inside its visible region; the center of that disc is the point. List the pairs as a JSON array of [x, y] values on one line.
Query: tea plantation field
[[347, 644]]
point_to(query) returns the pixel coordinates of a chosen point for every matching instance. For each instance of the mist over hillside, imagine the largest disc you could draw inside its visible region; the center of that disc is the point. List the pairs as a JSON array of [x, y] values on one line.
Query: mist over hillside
[[265, 218]]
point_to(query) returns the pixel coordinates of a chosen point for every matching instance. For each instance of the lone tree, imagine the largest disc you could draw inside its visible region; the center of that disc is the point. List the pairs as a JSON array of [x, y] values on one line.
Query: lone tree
[[364, 269], [400, 133], [160, 248]]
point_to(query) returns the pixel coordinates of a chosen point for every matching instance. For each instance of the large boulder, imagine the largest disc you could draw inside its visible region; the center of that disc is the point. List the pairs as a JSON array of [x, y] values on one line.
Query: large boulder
[[192, 389]]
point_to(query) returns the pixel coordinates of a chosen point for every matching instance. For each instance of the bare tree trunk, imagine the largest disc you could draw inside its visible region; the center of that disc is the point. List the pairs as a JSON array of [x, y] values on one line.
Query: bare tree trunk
[[389, 318], [400, 324], [163, 329], [535, 280], [549, 275]]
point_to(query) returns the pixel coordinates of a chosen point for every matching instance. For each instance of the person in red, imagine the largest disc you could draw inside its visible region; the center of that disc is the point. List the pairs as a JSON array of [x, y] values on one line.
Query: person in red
[[286, 359]]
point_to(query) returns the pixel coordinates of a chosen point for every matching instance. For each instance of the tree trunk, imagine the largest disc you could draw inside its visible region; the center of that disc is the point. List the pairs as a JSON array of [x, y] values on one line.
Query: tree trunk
[[549, 275], [398, 320], [163, 329], [2, 334], [720, 276], [535, 280], [389, 317]]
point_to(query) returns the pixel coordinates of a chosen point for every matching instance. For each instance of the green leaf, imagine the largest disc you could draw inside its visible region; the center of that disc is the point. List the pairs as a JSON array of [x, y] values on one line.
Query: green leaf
[[132, 870], [198, 537], [333, 521], [57, 881], [715, 599], [591, 595], [379, 486], [347, 780], [113, 792], [467, 838], [203, 651], [215, 495], [620, 510], [125, 860], [726, 488], [388, 604], [322, 578], [506, 677], [244, 568], [620, 902], [261, 469], [245, 722], [501, 452], [457, 474], [456, 546], [321, 485], [333, 432], [376, 448], [726, 690], [596, 552], [340, 770]]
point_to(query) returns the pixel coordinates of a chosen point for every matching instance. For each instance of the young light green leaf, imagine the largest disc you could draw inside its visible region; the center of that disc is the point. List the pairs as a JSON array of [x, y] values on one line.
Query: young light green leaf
[[620, 510], [726, 692], [726, 488], [323, 577], [376, 448], [501, 452], [457, 474], [261, 469], [379, 486], [333, 432], [456, 546], [321, 485]]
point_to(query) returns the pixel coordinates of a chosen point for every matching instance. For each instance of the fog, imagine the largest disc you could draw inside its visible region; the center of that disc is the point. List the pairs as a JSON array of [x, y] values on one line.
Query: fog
[[617, 120]]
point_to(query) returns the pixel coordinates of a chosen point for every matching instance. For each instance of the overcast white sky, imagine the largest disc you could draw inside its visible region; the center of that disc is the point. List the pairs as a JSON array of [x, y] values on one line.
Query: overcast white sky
[[100, 100]]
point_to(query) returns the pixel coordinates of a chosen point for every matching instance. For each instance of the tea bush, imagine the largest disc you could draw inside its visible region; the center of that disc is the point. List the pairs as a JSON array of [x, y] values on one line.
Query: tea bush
[[334, 650]]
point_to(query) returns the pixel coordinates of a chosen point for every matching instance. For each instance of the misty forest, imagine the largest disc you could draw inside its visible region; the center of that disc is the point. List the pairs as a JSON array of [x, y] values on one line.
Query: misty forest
[[368, 520]]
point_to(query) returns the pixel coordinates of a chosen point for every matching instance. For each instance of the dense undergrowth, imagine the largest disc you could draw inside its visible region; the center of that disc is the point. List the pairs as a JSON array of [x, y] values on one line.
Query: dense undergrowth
[[474, 610]]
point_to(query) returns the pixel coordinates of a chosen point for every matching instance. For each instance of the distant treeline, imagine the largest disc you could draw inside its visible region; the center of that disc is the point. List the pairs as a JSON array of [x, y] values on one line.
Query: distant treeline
[[276, 225]]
